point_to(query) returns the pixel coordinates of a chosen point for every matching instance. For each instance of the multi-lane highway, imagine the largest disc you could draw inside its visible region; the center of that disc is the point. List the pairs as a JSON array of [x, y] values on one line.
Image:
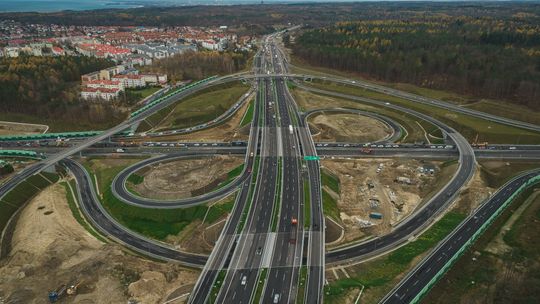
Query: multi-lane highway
[[264, 243], [427, 271]]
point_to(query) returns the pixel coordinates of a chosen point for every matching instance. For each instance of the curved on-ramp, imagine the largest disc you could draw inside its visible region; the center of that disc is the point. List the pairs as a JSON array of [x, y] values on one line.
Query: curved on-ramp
[[390, 123], [121, 192], [422, 217], [107, 225]]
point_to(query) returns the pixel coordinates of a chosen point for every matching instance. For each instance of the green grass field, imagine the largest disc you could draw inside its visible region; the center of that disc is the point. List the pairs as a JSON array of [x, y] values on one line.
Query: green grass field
[[248, 117], [154, 223], [330, 207], [329, 180], [201, 107]]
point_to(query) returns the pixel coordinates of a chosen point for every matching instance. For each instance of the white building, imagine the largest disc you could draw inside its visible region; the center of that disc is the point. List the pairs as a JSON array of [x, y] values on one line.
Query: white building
[[210, 45], [106, 84], [99, 93], [130, 81]]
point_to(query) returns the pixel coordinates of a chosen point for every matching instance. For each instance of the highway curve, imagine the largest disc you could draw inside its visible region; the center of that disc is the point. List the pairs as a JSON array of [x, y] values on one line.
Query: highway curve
[[422, 217], [392, 124], [121, 192], [102, 220]]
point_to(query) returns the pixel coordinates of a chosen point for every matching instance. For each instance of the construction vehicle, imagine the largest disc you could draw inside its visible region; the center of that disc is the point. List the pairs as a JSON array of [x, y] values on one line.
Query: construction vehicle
[[479, 145], [58, 293], [376, 215], [72, 289], [63, 290]]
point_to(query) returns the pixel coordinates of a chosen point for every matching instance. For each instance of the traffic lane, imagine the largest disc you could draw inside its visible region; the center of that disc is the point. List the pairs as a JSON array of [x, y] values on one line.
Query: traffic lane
[[111, 228], [428, 268]]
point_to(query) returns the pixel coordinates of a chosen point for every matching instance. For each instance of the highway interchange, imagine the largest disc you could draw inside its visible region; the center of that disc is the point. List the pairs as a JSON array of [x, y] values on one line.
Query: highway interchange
[[260, 236]]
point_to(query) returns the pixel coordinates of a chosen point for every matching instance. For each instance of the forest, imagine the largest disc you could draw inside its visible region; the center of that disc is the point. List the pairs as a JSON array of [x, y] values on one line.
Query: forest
[[264, 18], [198, 65], [48, 87], [497, 58]]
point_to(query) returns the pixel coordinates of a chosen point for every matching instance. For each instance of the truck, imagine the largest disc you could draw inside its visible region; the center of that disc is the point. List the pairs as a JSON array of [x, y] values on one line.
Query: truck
[[290, 129], [375, 215]]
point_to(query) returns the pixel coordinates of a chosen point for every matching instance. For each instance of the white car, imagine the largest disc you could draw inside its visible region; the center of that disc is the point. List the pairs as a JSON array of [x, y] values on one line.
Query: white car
[[244, 281], [276, 298]]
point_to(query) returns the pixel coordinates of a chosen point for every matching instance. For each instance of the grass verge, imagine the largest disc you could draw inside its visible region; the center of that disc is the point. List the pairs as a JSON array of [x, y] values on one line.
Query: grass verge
[[260, 285], [73, 206], [381, 272], [154, 223]]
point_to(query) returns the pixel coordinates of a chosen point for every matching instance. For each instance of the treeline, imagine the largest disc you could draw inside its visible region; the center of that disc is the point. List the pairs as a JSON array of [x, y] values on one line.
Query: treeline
[[484, 57], [48, 87], [198, 65], [259, 19]]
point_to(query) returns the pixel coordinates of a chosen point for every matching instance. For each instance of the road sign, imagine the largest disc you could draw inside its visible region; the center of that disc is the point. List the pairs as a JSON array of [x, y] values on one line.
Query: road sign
[[311, 158]]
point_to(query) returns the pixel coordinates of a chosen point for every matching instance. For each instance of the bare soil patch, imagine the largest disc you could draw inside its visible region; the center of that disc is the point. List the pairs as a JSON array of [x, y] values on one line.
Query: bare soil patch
[[51, 250], [369, 187], [344, 127], [179, 178]]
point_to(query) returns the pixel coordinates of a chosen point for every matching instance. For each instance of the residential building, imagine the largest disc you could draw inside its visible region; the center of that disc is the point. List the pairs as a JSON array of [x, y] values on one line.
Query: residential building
[[107, 84], [99, 93], [130, 81]]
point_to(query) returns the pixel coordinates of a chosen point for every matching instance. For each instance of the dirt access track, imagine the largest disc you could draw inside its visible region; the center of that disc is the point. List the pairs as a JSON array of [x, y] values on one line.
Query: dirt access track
[[177, 179], [49, 248], [345, 127], [393, 188]]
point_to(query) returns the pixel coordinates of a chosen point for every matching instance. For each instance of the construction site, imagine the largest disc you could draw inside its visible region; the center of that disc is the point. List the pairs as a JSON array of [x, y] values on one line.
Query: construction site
[[376, 194], [185, 177], [62, 262]]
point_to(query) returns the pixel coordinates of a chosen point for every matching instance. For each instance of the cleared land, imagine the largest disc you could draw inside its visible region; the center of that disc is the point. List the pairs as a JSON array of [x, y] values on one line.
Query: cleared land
[[341, 127], [378, 276], [185, 177], [60, 251], [413, 126], [199, 108], [391, 188]]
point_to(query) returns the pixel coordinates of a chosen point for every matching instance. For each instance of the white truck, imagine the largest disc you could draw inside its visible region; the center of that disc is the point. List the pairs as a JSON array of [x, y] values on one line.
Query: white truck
[[290, 129]]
